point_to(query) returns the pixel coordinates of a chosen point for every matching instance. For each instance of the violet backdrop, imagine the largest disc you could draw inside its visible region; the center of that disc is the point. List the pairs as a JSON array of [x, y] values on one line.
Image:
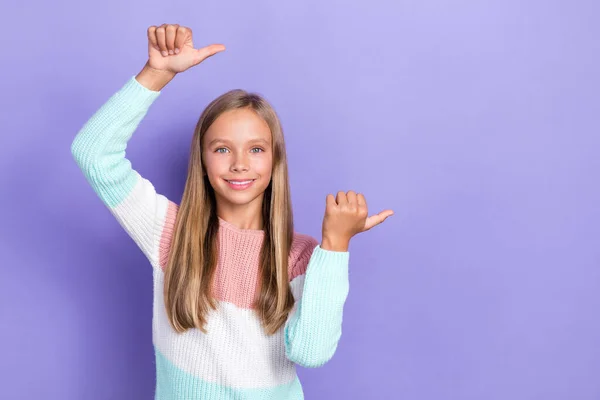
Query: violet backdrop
[[475, 121]]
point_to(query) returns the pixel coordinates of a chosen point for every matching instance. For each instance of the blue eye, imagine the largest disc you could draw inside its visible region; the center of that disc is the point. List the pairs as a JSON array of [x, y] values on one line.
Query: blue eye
[[223, 148]]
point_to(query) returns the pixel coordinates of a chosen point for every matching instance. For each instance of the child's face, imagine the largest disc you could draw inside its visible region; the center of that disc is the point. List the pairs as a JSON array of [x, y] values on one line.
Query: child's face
[[237, 146]]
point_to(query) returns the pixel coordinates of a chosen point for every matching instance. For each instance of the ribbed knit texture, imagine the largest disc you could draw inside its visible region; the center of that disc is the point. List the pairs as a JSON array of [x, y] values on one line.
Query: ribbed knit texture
[[235, 359]]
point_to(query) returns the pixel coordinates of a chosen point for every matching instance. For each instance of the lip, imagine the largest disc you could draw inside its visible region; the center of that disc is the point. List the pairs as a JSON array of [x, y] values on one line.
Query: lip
[[239, 187]]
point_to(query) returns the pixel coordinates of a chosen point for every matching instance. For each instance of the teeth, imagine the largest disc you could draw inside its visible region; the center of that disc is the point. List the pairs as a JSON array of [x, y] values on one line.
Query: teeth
[[239, 183]]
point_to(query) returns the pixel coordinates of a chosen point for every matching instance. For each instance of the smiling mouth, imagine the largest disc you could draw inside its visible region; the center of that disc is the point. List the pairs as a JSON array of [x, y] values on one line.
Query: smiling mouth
[[240, 184], [240, 181]]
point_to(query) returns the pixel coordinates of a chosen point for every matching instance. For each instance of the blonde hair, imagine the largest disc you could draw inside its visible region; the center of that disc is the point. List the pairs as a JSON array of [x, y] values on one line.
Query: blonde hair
[[193, 254]]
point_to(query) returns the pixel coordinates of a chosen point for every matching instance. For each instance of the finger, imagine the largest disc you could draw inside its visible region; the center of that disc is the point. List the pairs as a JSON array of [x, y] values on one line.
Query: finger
[[377, 219], [152, 37], [361, 201], [180, 38], [162, 40], [341, 198], [171, 32], [209, 51], [330, 201], [351, 196]]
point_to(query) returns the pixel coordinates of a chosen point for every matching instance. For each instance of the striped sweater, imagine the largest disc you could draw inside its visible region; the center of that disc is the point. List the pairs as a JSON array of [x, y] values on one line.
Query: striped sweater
[[235, 359]]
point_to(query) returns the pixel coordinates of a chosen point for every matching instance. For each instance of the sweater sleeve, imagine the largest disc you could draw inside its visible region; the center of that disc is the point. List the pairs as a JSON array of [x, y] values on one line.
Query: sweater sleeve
[[99, 151], [320, 289]]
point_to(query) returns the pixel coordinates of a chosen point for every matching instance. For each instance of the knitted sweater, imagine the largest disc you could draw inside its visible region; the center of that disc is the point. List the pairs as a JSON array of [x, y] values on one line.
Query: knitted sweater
[[235, 359]]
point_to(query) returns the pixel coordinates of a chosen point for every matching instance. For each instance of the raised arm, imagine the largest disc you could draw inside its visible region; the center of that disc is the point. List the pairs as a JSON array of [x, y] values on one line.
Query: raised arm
[[99, 147], [99, 150], [320, 283]]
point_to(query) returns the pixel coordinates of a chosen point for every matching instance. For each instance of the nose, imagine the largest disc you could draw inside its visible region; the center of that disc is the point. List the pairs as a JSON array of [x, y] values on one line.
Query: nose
[[240, 164]]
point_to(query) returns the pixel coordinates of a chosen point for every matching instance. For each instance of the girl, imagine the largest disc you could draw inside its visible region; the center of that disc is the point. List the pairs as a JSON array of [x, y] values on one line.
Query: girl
[[239, 297]]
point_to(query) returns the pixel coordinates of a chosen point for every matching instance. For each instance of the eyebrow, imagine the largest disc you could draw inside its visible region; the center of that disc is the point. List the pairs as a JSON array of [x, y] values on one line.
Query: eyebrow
[[219, 140]]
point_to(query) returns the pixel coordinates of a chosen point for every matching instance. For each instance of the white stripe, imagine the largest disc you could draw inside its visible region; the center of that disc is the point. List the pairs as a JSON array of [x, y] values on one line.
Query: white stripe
[[142, 215], [235, 352], [297, 286]]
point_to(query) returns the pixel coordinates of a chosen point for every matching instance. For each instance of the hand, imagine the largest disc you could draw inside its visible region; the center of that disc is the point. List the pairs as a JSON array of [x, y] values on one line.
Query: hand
[[171, 49], [345, 216]]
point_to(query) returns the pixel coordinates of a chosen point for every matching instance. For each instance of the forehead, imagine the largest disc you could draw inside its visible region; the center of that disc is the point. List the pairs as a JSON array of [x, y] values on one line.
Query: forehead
[[238, 126]]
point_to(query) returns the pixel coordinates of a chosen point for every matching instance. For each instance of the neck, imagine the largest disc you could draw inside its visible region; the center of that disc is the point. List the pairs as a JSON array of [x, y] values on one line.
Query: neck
[[243, 220], [243, 216]]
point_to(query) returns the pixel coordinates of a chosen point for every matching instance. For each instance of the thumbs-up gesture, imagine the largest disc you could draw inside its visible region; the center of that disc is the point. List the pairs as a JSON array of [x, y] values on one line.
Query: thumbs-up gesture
[[345, 216], [171, 48]]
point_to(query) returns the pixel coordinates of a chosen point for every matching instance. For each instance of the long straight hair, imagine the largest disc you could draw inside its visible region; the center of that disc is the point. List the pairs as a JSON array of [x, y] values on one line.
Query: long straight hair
[[193, 253]]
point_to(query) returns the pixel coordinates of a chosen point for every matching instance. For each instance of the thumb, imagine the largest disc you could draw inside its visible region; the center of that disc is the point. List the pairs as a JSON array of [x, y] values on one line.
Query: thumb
[[377, 219], [208, 51]]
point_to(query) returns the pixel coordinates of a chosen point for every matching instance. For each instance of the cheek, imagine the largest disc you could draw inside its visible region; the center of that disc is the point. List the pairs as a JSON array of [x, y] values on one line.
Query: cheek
[[213, 165], [264, 166]]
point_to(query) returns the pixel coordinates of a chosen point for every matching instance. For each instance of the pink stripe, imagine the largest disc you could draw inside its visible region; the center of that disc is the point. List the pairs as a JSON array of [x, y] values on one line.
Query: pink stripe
[[302, 249], [167, 234], [236, 276]]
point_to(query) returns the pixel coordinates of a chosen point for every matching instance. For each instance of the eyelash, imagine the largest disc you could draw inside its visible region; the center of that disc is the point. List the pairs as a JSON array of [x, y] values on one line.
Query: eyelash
[[217, 150]]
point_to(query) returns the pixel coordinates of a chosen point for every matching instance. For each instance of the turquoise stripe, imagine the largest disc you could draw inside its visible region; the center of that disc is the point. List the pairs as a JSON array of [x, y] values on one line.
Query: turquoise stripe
[[313, 331], [174, 384], [112, 180], [99, 147]]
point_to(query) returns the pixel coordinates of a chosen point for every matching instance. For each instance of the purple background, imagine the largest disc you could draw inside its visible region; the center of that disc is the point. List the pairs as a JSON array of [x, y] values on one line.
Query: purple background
[[476, 122]]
